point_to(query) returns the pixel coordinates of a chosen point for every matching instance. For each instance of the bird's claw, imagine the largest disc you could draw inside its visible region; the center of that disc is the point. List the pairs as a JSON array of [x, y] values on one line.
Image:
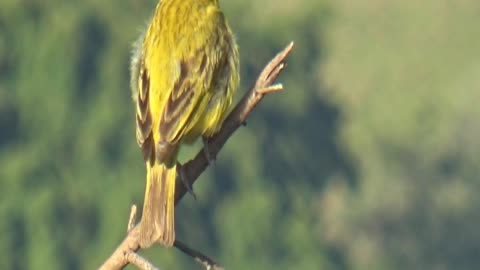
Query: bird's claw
[[206, 151], [186, 183]]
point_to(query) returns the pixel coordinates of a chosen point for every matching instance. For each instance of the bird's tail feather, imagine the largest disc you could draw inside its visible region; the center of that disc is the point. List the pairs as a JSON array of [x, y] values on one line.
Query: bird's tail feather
[[157, 223]]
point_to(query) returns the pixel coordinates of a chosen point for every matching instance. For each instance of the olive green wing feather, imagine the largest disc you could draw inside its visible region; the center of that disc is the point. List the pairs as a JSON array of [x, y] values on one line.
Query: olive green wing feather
[[193, 87]]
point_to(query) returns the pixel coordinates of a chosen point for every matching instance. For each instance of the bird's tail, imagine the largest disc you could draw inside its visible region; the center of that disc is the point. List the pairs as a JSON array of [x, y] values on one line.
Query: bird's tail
[[157, 223]]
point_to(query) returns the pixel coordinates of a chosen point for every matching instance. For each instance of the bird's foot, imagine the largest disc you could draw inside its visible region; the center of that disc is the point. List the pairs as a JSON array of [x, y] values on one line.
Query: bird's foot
[[210, 158], [183, 177]]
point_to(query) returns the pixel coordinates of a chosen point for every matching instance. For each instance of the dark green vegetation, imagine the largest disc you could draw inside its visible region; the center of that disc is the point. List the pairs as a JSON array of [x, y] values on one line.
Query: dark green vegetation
[[368, 160]]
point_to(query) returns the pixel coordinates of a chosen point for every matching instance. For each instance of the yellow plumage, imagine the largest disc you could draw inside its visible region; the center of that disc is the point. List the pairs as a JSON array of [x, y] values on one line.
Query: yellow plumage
[[184, 74]]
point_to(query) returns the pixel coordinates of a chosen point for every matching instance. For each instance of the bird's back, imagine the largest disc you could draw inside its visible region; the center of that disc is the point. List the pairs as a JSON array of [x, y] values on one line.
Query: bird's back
[[191, 59]]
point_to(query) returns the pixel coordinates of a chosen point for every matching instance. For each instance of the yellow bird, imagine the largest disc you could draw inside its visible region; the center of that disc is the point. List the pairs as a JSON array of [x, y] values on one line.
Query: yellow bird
[[184, 72]]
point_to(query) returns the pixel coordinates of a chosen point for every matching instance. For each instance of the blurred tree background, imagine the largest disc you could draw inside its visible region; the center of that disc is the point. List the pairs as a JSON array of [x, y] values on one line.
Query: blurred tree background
[[369, 160]]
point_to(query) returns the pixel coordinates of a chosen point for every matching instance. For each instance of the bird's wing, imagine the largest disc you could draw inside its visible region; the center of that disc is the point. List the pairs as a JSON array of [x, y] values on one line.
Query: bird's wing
[[143, 114], [202, 57]]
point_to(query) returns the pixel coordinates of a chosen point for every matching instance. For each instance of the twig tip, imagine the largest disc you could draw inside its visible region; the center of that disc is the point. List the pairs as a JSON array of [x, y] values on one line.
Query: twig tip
[[133, 218], [272, 88]]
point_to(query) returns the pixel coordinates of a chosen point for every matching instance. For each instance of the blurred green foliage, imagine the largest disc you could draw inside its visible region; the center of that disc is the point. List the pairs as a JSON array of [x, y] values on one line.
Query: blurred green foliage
[[368, 160]]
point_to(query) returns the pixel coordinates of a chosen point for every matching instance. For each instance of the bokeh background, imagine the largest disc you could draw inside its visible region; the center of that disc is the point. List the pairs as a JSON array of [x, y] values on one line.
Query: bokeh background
[[370, 159]]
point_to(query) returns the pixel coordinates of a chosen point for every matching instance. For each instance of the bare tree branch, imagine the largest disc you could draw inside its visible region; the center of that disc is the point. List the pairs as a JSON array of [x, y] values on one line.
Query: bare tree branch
[[236, 118], [208, 263], [125, 253], [140, 262], [133, 218]]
